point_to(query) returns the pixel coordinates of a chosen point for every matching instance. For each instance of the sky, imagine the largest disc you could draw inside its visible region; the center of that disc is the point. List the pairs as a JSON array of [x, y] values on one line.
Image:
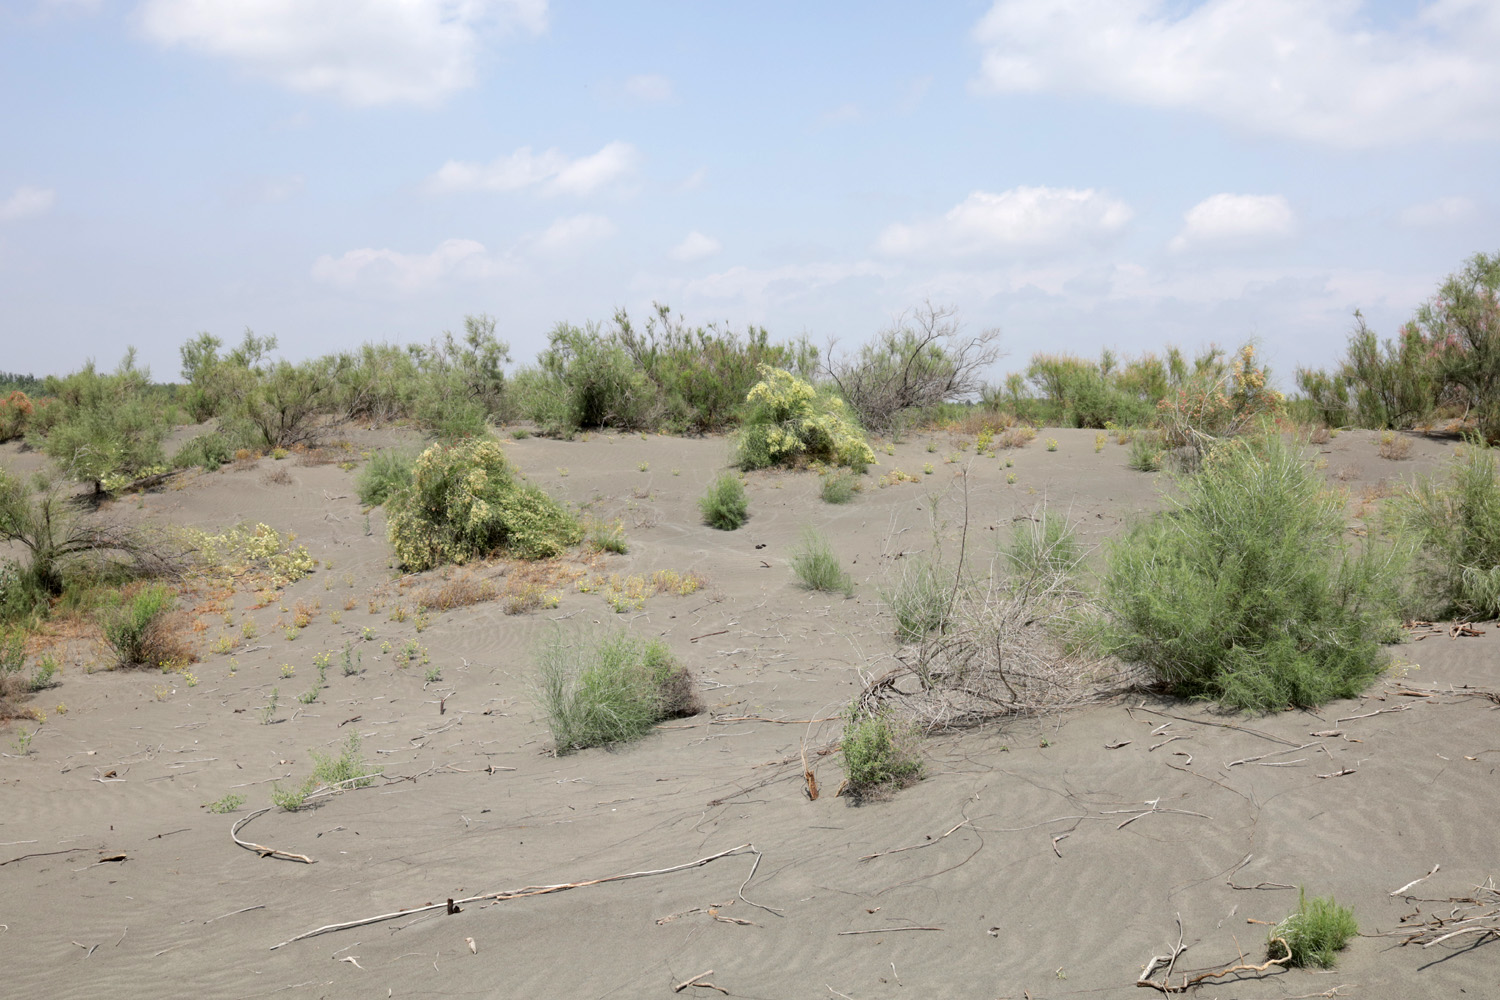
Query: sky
[[1082, 174]]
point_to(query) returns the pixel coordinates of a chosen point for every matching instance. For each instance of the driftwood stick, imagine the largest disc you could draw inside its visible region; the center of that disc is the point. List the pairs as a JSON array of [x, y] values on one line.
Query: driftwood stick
[[1188, 982], [1414, 881], [532, 890], [689, 982], [261, 849], [887, 930]]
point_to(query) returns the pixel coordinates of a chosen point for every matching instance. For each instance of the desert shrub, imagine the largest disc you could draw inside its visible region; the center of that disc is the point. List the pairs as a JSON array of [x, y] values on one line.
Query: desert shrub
[[1457, 522], [610, 689], [1219, 401], [465, 502], [282, 405], [787, 422], [1078, 392], [1393, 446], [257, 547], [724, 506], [920, 361], [879, 752], [839, 486], [1461, 325], [1246, 591], [921, 599], [1043, 546], [53, 533], [608, 537], [457, 591], [330, 774], [98, 426], [207, 451], [386, 472], [136, 627], [596, 381], [1315, 932], [15, 412], [1145, 453], [818, 568]]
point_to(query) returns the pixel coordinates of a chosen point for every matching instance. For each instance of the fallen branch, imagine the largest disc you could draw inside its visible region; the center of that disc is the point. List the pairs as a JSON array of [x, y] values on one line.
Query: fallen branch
[[1379, 711], [1188, 982], [533, 890], [261, 849], [1424, 878], [887, 930]]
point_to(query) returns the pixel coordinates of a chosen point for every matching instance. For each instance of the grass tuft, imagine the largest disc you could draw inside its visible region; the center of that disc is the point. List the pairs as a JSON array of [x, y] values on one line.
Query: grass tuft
[[614, 689], [724, 505], [1315, 931], [818, 568], [839, 487]]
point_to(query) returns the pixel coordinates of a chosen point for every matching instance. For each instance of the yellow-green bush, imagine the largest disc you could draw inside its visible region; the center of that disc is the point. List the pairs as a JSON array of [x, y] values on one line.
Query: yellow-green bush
[[465, 502], [788, 422]]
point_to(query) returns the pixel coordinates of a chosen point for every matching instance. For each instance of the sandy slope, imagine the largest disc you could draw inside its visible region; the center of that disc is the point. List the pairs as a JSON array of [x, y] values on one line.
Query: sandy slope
[[1018, 853]]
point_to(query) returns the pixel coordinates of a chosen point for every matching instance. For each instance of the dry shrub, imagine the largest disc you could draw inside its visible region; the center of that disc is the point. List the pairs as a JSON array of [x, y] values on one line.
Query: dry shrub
[[458, 591], [1018, 436], [1345, 473], [245, 459], [976, 423], [303, 612], [278, 477], [532, 585], [1394, 446], [320, 455], [1319, 435]]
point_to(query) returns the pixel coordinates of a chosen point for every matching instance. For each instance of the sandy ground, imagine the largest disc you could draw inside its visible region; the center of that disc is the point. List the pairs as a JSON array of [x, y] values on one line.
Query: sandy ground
[[1011, 871]]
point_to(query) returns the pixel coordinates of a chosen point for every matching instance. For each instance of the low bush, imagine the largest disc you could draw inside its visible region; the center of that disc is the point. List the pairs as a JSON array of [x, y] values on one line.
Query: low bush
[[610, 690], [330, 774], [838, 487], [879, 753], [818, 568], [465, 502], [15, 413], [101, 425], [789, 422], [1246, 592], [386, 472], [724, 506], [1043, 546], [1457, 521], [922, 599], [1146, 451], [1315, 932], [137, 630]]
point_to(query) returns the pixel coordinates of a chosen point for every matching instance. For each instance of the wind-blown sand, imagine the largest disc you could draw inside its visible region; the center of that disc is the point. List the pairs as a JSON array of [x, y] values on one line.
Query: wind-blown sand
[[1015, 846]]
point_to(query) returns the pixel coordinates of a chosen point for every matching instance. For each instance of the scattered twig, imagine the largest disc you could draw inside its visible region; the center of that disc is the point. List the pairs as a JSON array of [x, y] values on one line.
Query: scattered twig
[[1378, 711], [261, 849], [1402, 891], [1188, 982], [41, 854], [257, 906], [887, 930], [691, 982], [1273, 753], [917, 847]]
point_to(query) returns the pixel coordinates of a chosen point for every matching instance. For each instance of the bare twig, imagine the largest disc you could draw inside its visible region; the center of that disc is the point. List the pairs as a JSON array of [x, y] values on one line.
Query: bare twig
[[886, 930], [261, 849]]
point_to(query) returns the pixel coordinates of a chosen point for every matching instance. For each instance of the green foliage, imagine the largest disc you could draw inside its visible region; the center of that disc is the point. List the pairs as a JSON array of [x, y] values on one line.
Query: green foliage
[[1042, 547], [592, 383], [922, 599], [1146, 451], [385, 473], [246, 546], [610, 689], [789, 422], [330, 774], [879, 753], [608, 538], [465, 502], [1077, 392], [228, 804], [207, 451], [100, 425], [1461, 323], [1457, 522], [1316, 931], [130, 625], [15, 414], [818, 568], [724, 506], [1246, 591], [839, 487], [44, 674]]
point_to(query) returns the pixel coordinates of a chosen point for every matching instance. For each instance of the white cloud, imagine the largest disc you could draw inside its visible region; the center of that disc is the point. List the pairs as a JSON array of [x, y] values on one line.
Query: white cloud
[[1020, 220], [1236, 220], [694, 247], [780, 283], [554, 172], [464, 259], [649, 88], [574, 233], [364, 52], [26, 202], [1442, 212], [1314, 71]]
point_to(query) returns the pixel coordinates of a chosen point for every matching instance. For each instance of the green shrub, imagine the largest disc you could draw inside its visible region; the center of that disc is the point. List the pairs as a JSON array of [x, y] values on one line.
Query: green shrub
[[465, 502], [839, 487], [879, 753], [330, 773], [1042, 547], [608, 538], [133, 626], [1145, 451], [724, 506], [206, 451], [1246, 591], [609, 690], [1315, 932], [788, 422], [44, 674], [386, 472], [818, 568], [98, 426], [922, 599], [228, 804], [1457, 521]]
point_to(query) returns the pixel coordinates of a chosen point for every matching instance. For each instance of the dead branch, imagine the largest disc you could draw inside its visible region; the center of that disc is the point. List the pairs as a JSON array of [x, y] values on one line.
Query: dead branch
[[917, 847], [1188, 982], [887, 930], [505, 895], [1402, 891], [262, 850]]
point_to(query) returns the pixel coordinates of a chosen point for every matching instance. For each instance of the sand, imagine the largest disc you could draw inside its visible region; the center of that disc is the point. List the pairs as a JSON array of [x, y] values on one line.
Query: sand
[[114, 880]]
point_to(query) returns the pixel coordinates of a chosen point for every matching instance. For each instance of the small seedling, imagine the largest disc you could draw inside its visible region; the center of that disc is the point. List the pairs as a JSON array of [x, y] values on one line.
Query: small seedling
[[433, 674], [287, 670], [227, 804], [269, 712], [22, 742]]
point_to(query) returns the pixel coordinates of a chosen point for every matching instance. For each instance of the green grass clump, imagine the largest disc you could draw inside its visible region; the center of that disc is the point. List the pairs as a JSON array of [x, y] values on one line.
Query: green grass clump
[[839, 487], [922, 599], [384, 474], [1247, 592], [1043, 547], [879, 753], [1315, 932], [228, 804], [132, 625], [1145, 451], [465, 502], [1457, 520], [331, 773], [724, 506], [613, 689], [604, 537], [818, 568]]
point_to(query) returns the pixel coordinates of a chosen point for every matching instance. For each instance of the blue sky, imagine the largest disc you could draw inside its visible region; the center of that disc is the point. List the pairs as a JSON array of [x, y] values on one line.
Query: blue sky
[[1081, 173]]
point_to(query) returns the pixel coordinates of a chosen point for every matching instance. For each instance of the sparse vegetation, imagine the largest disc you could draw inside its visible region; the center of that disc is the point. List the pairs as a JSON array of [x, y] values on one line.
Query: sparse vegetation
[[818, 568], [330, 775], [139, 631], [1456, 520], [839, 486], [724, 505], [879, 753], [611, 689]]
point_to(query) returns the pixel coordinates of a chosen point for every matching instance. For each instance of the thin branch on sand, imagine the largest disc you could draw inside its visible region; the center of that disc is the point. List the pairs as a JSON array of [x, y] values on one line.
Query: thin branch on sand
[[533, 890], [1188, 982], [261, 849]]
